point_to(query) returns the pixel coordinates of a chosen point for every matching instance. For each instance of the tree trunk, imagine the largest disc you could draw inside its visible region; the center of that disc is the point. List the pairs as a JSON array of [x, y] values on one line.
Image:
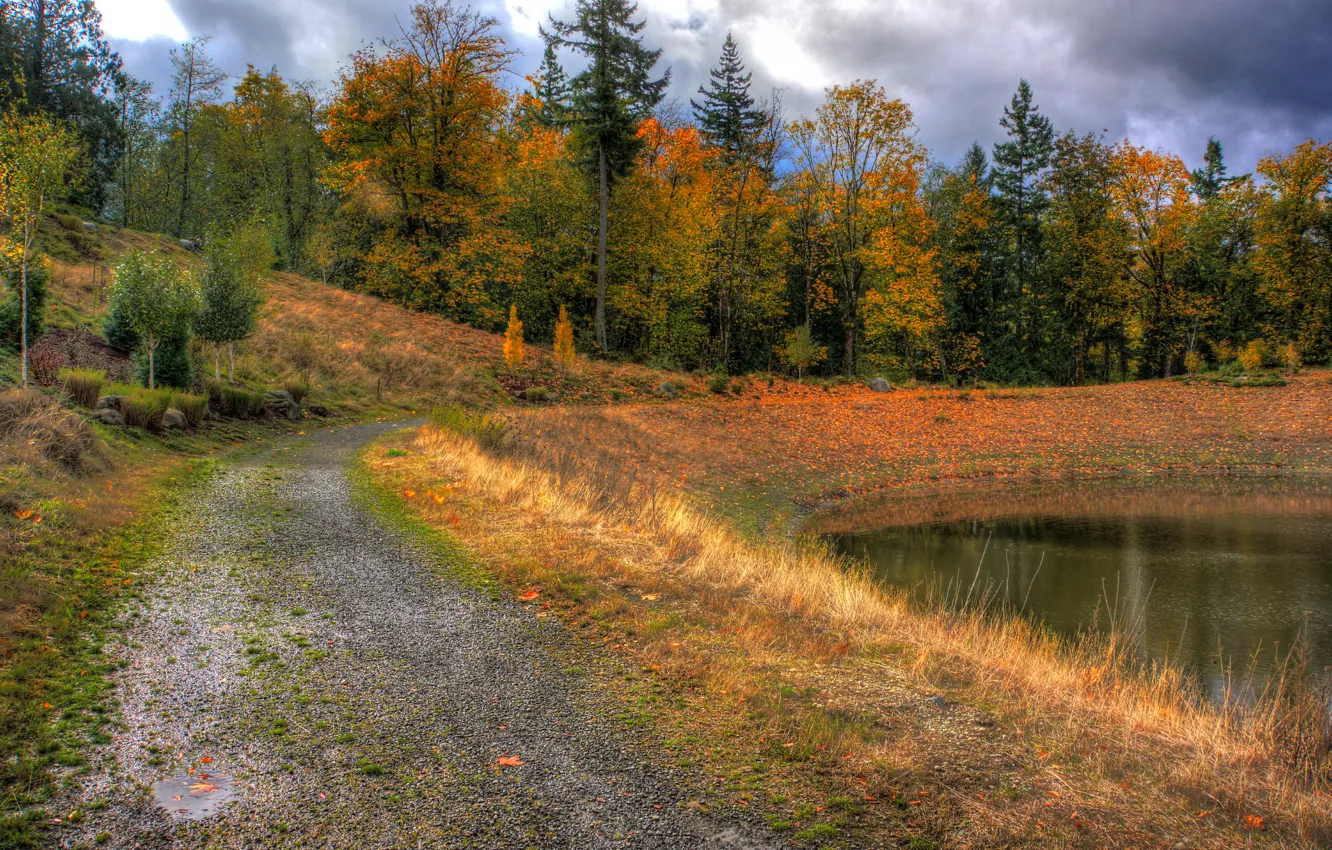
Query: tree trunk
[[849, 353], [604, 203], [231, 362], [152, 378], [217, 362], [23, 318]]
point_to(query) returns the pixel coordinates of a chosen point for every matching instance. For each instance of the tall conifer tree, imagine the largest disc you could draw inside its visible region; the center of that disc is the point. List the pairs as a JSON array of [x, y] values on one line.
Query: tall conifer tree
[[608, 99], [726, 116]]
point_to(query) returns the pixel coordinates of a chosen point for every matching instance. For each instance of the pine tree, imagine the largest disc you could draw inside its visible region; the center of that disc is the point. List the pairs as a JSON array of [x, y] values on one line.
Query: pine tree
[[550, 91], [1018, 166], [1209, 180], [727, 117], [513, 340], [608, 100]]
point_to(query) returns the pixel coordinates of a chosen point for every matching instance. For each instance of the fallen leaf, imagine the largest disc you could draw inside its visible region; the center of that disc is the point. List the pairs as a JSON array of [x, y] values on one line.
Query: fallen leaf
[[204, 788], [649, 597], [207, 759], [529, 595], [509, 761], [411, 494], [1253, 822]]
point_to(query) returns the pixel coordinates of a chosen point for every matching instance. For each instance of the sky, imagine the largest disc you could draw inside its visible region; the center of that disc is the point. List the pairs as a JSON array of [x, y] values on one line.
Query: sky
[[1167, 74]]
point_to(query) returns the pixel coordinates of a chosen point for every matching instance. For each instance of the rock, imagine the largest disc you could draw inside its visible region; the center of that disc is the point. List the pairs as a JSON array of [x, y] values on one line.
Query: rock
[[319, 410], [284, 405], [879, 385], [939, 701], [667, 389], [108, 402], [173, 419], [109, 416], [90, 227], [191, 245]]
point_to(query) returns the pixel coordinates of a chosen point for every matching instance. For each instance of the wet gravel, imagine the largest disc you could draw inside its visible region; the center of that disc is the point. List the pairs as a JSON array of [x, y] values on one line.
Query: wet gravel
[[359, 694]]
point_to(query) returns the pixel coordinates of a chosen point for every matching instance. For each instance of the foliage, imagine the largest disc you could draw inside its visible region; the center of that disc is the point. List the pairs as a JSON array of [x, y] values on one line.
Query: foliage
[[172, 363], [565, 355], [83, 385], [513, 341], [1251, 357], [158, 300], [11, 307], [488, 431], [37, 156], [231, 292], [800, 351], [144, 408], [298, 390], [240, 403], [192, 406]]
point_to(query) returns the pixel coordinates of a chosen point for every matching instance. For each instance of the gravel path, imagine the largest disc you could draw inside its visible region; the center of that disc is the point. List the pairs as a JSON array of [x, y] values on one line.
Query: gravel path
[[356, 695]]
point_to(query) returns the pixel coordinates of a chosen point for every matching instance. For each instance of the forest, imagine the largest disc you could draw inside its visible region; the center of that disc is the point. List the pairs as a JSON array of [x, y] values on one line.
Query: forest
[[725, 235]]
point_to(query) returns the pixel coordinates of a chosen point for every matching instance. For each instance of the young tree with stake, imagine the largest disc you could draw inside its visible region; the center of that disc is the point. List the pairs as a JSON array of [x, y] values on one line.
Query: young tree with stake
[[36, 155], [157, 300]]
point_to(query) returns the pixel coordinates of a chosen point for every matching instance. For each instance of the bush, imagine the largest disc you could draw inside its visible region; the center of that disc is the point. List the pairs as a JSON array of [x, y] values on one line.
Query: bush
[[298, 390], [1290, 358], [193, 406], [718, 384], [1193, 362], [537, 394], [1252, 355], [72, 223], [488, 431], [242, 404], [145, 408], [83, 385], [214, 389], [116, 329]]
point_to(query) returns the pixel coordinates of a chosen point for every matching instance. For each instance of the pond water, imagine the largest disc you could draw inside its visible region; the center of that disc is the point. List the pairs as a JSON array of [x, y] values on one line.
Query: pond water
[[1208, 572]]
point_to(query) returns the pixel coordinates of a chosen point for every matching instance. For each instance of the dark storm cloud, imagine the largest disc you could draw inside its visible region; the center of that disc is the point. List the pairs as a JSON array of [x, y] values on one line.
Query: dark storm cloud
[[1165, 73]]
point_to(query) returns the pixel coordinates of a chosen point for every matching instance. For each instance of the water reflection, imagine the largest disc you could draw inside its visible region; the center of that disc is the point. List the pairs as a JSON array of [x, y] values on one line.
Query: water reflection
[[1212, 570]]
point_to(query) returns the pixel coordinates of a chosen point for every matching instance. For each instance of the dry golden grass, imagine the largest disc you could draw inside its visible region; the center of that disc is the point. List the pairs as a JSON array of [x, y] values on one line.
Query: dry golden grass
[[1136, 752]]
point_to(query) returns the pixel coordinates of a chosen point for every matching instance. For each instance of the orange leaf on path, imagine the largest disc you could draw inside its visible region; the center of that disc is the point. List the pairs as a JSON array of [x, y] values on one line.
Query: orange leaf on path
[[507, 760], [529, 595]]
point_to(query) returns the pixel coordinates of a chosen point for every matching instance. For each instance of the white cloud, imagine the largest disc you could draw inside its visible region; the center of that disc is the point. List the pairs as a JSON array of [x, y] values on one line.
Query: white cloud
[[140, 20]]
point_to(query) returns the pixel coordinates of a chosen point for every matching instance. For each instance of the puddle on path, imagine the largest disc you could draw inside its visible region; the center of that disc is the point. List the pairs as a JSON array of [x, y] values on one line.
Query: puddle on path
[[194, 797]]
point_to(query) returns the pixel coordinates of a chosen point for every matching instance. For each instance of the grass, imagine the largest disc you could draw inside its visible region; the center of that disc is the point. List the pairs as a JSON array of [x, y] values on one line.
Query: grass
[[192, 406], [83, 385], [1095, 714], [144, 408]]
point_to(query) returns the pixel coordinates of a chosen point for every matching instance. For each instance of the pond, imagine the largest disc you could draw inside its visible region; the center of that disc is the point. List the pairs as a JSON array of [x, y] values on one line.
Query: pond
[[1208, 572]]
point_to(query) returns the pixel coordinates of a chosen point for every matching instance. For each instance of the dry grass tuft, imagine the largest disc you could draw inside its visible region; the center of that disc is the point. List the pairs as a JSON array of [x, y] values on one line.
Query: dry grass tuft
[[35, 430]]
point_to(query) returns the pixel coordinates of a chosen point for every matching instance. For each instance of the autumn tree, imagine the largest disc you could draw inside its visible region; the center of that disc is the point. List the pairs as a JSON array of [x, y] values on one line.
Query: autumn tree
[[413, 129], [663, 223], [865, 163], [1294, 241], [1153, 197], [513, 340], [36, 158], [565, 355], [609, 98]]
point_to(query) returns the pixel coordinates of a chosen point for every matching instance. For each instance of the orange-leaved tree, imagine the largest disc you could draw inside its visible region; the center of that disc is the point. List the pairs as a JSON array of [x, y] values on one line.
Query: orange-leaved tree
[[1152, 193], [413, 126], [565, 355], [513, 340]]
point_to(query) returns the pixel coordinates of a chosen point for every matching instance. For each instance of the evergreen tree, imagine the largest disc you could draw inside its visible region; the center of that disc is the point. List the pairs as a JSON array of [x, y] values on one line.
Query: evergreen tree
[[727, 117], [550, 90], [1018, 166], [608, 99]]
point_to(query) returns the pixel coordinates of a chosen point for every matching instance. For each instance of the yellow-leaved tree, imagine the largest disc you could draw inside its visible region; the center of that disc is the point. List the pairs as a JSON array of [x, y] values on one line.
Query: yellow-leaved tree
[[513, 340], [564, 341]]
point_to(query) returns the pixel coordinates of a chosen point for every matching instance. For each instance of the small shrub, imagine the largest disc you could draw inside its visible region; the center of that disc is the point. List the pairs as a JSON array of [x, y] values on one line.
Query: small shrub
[[1252, 355], [537, 394], [1193, 362], [718, 384], [83, 385], [488, 431], [737, 387], [513, 340], [193, 406], [214, 388], [145, 408], [72, 223], [1290, 358], [298, 390]]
